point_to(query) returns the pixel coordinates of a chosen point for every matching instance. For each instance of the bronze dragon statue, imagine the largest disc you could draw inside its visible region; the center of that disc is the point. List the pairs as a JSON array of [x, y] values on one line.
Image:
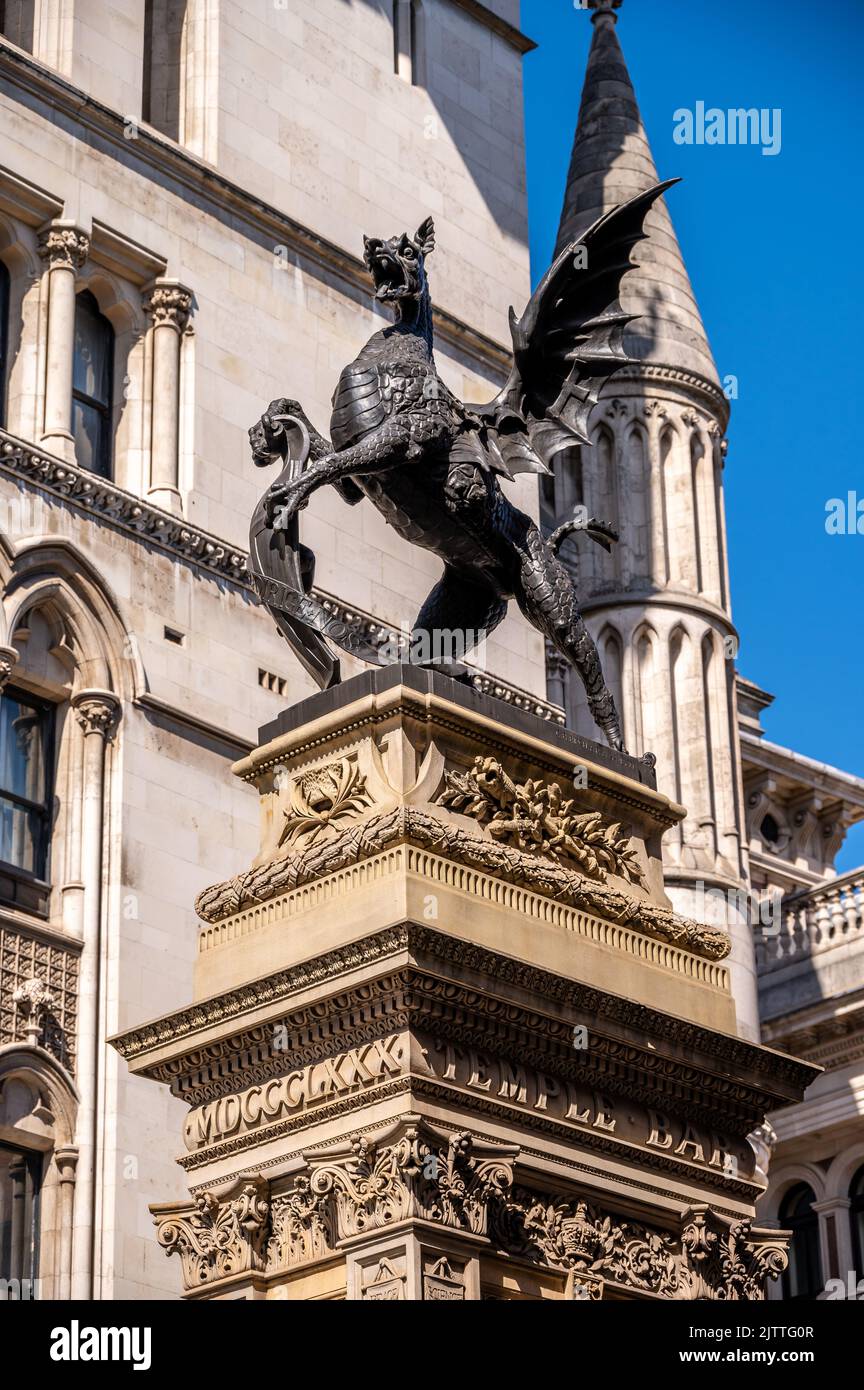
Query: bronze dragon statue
[[431, 464]]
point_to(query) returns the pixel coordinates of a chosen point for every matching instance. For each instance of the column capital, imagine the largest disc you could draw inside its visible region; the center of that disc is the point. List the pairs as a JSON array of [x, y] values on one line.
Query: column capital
[[66, 1159], [63, 246], [168, 303], [98, 712], [603, 11], [8, 662]]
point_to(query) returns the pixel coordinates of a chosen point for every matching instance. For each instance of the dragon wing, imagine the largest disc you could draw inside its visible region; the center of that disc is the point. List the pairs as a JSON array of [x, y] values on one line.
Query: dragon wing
[[567, 344]]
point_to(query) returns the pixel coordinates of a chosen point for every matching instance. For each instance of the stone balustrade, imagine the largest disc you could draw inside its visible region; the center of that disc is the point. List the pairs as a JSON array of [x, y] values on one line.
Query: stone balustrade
[[815, 920]]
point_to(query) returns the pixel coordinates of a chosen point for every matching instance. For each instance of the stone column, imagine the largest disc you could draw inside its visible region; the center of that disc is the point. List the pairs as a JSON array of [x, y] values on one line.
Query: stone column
[[64, 248], [168, 304], [66, 1160], [835, 1238], [97, 712], [18, 1232]]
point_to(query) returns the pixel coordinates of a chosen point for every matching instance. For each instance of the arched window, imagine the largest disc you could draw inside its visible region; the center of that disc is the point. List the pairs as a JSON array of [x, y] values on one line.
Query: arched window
[[4, 337], [93, 387], [26, 783], [856, 1217], [17, 22], [803, 1278]]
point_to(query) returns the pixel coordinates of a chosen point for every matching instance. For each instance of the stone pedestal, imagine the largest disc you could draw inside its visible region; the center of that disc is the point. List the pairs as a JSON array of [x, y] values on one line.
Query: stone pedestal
[[449, 1040]]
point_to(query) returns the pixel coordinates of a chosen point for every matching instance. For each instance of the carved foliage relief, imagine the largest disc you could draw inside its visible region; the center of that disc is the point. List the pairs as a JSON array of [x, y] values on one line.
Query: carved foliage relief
[[535, 817], [461, 1183]]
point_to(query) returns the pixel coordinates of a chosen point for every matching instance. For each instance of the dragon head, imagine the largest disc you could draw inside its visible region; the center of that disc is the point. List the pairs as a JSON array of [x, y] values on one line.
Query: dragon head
[[397, 266]]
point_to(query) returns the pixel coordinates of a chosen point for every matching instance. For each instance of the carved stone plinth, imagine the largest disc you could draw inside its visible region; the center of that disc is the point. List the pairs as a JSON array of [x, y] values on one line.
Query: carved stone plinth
[[449, 1040]]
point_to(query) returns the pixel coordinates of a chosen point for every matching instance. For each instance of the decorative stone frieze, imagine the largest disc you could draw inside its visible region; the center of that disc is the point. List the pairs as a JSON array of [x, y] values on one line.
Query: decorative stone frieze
[[442, 1004], [416, 827], [535, 817], [414, 1171]]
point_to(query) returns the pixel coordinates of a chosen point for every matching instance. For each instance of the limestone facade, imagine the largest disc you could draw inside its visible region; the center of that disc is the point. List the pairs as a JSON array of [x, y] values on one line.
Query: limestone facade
[[221, 244]]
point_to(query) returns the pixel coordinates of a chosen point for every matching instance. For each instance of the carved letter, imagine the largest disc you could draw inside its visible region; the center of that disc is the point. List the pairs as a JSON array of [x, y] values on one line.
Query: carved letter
[[660, 1136]]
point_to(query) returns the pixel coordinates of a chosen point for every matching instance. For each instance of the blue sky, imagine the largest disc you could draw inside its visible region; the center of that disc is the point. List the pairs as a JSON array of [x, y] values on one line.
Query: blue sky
[[772, 247]]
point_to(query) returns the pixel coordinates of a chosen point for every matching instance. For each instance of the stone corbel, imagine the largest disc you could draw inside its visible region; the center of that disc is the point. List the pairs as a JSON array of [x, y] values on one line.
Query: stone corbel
[[9, 658], [34, 1001], [728, 1260], [217, 1237], [412, 1170]]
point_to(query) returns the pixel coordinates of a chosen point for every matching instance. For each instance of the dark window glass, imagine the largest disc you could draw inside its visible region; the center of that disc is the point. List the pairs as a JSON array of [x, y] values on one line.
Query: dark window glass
[[856, 1216], [17, 22], [165, 33], [803, 1278], [4, 338], [92, 386], [20, 1181], [26, 776]]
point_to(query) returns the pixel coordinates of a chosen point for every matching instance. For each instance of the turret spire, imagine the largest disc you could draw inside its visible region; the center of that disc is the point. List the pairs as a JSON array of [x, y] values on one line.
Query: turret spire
[[611, 161]]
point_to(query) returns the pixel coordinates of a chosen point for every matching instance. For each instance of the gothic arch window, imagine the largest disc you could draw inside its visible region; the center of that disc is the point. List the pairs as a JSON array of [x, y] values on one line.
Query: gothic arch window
[[856, 1218], [639, 521], [17, 22], [26, 797], [696, 452], [678, 651], [5, 299], [38, 1104], [713, 723], [612, 660], [645, 696], [679, 499], [803, 1278], [93, 387], [605, 505]]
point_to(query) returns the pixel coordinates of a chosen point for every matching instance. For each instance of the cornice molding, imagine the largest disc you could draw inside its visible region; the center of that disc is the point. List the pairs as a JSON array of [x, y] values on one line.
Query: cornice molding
[[24, 200], [274, 992], [216, 195], [508, 32], [678, 377]]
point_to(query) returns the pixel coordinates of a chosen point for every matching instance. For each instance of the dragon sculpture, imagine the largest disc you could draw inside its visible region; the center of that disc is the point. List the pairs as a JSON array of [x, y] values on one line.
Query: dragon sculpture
[[432, 464]]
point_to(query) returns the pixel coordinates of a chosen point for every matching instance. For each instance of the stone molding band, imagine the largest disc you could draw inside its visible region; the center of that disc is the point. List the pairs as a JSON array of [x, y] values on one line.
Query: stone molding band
[[409, 825]]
